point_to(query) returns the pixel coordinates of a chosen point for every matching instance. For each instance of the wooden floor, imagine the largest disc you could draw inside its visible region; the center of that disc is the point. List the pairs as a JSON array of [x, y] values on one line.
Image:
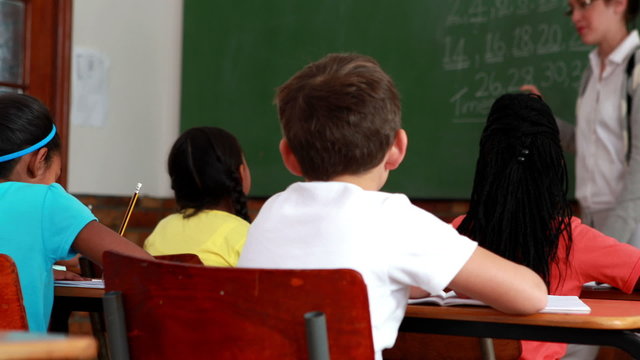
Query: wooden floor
[[80, 324]]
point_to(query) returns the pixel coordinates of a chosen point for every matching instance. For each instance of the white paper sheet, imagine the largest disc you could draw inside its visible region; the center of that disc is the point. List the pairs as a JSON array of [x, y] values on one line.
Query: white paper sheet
[[89, 87], [95, 283]]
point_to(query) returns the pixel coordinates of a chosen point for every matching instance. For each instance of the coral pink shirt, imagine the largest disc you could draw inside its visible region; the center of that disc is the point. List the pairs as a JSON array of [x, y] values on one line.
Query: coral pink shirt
[[593, 257]]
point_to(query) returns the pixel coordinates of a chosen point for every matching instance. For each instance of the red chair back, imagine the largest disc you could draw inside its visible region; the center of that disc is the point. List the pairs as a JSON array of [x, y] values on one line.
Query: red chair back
[[185, 258], [12, 312], [196, 312]]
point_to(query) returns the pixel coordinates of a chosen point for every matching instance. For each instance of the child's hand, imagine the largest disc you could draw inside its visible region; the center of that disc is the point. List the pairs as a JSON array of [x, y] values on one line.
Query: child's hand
[[72, 264], [67, 275]]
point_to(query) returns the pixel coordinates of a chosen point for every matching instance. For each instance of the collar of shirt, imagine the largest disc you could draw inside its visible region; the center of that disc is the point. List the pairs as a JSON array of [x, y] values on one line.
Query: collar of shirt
[[628, 45]]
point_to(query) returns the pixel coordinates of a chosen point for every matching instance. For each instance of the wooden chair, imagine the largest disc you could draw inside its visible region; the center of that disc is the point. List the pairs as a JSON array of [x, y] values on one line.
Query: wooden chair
[[195, 312], [186, 258], [91, 270], [12, 313]]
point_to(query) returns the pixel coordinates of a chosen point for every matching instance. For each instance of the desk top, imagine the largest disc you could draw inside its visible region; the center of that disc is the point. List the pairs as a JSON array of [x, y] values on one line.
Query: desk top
[[611, 294], [81, 292], [605, 314], [26, 345]]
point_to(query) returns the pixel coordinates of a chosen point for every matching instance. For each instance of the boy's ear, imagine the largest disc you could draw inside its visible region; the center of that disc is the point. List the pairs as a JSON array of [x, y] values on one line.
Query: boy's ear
[[37, 164], [398, 149], [289, 159]]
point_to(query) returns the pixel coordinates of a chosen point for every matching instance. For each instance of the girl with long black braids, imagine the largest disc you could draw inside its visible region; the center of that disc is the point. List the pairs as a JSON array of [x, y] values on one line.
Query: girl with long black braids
[[519, 209]]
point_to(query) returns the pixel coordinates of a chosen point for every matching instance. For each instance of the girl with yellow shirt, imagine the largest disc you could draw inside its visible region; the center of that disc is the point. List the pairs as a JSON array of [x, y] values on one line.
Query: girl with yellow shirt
[[210, 179]]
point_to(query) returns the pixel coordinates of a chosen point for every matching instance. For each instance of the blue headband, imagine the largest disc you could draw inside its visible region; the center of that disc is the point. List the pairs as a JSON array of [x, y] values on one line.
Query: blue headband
[[31, 148]]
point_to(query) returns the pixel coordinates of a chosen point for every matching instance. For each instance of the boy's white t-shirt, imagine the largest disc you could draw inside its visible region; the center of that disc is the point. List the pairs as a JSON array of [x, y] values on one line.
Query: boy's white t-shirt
[[391, 242]]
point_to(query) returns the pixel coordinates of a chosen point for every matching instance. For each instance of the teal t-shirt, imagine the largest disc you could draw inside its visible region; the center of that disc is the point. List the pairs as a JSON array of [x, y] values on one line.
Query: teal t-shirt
[[38, 224]]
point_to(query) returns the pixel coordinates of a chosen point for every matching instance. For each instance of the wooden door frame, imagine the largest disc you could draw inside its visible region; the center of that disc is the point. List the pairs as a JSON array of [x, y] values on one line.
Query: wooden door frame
[[48, 63]]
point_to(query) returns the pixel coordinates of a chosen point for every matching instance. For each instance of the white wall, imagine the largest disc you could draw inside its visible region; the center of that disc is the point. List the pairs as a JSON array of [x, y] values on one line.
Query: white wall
[[143, 41]]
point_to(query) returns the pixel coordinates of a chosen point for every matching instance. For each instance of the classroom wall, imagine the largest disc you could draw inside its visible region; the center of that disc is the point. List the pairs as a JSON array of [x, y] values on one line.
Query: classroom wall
[[149, 211], [142, 40]]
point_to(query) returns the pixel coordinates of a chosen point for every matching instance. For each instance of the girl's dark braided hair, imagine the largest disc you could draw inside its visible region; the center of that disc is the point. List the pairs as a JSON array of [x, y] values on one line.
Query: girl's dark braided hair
[[204, 165], [519, 208]]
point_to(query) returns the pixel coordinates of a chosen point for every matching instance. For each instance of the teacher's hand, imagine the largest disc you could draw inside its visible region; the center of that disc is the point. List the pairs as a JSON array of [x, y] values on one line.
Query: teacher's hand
[[530, 88]]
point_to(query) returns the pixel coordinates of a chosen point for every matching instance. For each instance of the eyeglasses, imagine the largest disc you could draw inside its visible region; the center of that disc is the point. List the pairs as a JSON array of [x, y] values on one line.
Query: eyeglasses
[[582, 6]]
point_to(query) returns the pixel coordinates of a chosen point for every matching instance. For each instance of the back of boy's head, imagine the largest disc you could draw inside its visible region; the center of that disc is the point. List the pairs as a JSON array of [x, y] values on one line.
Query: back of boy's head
[[339, 115], [519, 206], [24, 121], [204, 165]]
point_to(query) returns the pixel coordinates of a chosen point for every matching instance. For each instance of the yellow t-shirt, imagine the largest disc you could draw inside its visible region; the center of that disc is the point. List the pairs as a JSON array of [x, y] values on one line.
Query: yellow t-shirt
[[217, 237]]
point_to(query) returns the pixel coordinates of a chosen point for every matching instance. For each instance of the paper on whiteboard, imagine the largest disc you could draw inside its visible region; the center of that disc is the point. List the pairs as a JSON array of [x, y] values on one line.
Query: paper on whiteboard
[[89, 87]]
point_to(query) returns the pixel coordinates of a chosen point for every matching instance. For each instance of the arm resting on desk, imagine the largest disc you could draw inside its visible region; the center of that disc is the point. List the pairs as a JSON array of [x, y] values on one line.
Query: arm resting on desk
[[500, 283], [94, 239], [417, 293]]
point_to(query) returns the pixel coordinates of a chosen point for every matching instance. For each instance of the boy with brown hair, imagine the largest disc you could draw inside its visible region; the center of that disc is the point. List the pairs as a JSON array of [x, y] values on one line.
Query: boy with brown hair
[[342, 132]]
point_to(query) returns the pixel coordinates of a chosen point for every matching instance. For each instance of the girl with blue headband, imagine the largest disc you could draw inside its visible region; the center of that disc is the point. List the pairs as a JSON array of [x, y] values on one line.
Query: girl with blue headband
[[40, 223]]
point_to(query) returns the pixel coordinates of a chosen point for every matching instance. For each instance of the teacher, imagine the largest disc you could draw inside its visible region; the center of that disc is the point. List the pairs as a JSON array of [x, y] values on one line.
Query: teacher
[[606, 137]]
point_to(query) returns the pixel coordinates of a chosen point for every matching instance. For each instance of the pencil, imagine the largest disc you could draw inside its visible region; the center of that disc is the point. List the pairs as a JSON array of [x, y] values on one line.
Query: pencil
[[132, 203]]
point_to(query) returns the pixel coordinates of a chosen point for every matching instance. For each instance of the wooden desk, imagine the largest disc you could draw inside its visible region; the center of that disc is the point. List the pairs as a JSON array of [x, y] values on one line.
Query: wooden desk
[[611, 323], [67, 299], [24, 345], [78, 292], [78, 299], [611, 294]]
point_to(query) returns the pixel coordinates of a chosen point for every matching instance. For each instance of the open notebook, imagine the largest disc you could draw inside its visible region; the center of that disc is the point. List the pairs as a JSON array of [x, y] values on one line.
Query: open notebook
[[556, 304], [95, 283]]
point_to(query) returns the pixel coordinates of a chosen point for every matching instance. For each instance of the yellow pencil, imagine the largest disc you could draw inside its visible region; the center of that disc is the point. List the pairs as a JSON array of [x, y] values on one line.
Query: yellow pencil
[[132, 203]]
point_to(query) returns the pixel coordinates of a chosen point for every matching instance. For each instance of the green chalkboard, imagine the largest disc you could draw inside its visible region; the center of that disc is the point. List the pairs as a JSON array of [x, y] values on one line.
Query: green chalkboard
[[449, 59]]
